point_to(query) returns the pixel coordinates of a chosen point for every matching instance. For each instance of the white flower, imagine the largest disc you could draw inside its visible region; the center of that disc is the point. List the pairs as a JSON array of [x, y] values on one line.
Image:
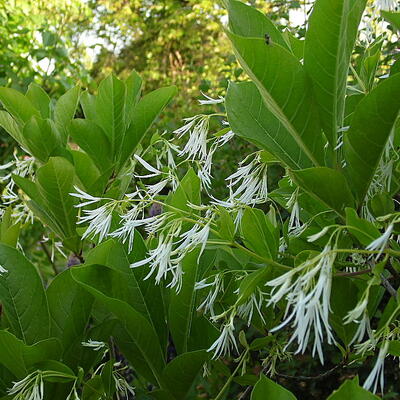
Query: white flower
[[217, 285], [3, 270], [387, 5], [363, 328], [210, 100], [249, 184], [226, 342], [148, 167], [225, 138], [196, 146], [122, 387], [29, 388], [318, 235], [246, 310], [197, 235], [308, 299], [85, 196], [99, 221], [161, 259], [204, 172], [377, 374], [379, 244], [94, 344]]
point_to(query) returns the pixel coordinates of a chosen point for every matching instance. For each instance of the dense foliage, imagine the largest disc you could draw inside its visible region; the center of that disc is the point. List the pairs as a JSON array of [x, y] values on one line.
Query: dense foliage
[[173, 289]]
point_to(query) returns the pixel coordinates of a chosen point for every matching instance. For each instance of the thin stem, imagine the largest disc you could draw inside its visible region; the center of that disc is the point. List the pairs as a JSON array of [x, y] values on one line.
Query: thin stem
[[228, 382]]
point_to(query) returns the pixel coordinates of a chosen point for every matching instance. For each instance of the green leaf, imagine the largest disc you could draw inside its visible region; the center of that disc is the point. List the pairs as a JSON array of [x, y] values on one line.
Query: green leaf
[[23, 297], [86, 171], [39, 99], [70, 308], [133, 89], [286, 90], [8, 123], [188, 191], [328, 47], [365, 231], [88, 103], [180, 374], [18, 105], [327, 185], [250, 118], [144, 114], [259, 234], [18, 357], [182, 306], [55, 183], [91, 138], [250, 22], [40, 138], [393, 18], [65, 110], [105, 285], [265, 388], [369, 132], [226, 225], [350, 389], [110, 111]]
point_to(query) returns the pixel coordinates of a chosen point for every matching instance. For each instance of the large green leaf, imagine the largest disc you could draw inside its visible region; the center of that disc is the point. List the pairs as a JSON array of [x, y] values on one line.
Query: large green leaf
[[40, 99], [111, 288], [70, 306], [18, 105], [9, 124], [182, 371], [286, 91], [371, 125], [350, 389], [55, 183], [110, 110], [182, 304], [133, 90], [40, 138], [23, 297], [65, 110], [259, 234], [250, 118], [91, 138], [267, 389], [328, 46], [250, 22], [327, 185], [18, 357], [144, 114]]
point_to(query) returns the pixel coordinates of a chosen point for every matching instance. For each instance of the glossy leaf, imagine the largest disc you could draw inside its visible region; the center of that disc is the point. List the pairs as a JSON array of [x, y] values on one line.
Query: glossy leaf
[[266, 388], [327, 185], [182, 304], [286, 91], [328, 47], [250, 118], [144, 114], [23, 297], [70, 308], [105, 285], [55, 183], [91, 138], [180, 374], [110, 110], [350, 389], [65, 110], [250, 22], [18, 105], [369, 132], [40, 99]]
